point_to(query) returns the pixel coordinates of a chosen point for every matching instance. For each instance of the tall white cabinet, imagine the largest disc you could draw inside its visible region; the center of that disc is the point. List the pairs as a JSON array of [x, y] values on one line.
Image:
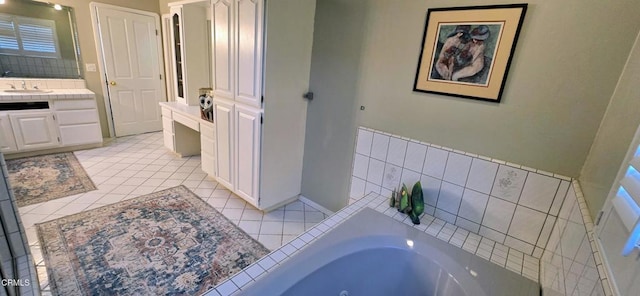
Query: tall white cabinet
[[190, 38], [258, 83]]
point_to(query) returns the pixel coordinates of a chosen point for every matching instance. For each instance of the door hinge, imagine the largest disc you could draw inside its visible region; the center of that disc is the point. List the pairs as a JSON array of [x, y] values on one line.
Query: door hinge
[[160, 76], [599, 217], [261, 99], [58, 139], [261, 119], [156, 32]]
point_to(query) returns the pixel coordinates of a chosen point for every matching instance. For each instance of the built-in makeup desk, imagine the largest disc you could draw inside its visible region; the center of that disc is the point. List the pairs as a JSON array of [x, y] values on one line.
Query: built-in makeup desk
[[186, 133]]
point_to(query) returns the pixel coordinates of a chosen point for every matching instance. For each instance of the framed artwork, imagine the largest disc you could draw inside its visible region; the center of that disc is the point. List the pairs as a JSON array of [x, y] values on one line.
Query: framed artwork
[[466, 51]]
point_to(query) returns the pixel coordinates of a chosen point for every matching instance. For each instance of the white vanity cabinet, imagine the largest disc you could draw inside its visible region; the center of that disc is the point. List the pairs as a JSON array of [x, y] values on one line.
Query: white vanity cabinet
[[186, 133], [258, 85], [7, 141], [78, 121], [52, 121], [34, 130]]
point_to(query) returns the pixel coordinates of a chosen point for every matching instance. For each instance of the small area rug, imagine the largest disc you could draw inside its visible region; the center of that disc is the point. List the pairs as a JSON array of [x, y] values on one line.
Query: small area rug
[[168, 242], [42, 178]]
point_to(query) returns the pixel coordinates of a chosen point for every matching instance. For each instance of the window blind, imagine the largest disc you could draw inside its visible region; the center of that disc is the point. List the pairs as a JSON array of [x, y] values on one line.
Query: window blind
[[627, 199], [28, 36], [8, 38]]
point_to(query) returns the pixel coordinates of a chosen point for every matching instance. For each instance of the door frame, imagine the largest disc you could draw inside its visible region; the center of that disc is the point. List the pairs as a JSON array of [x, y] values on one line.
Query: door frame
[[101, 63]]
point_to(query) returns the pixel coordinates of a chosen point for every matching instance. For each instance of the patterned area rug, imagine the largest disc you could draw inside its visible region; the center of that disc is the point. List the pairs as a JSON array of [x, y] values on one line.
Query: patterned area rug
[[42, 178], [169, 242]]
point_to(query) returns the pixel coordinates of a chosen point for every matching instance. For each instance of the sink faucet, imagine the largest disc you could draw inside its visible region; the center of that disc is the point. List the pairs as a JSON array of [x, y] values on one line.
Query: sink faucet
[[6, 73], [12, 86], [24, 85]]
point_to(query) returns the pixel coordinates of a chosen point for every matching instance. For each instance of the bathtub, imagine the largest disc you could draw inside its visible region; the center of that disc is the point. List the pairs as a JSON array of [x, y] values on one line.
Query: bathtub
[[373, 254]]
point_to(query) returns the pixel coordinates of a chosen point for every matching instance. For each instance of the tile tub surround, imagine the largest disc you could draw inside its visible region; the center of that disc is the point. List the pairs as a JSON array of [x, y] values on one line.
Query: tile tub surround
[[511, 204], [571, 264], [486, 248], [14, 233]]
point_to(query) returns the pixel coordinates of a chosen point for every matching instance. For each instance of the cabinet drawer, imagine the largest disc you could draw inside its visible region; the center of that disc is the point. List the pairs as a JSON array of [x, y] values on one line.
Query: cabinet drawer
[[167, 125], [69, 117], [186, 121], [80, 134], [74, 104], [166, 112], [207, 131]]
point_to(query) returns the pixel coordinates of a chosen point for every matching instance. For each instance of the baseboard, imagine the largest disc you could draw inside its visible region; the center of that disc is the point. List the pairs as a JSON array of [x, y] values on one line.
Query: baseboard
[[315, 205], [51, 151], [279, 204]]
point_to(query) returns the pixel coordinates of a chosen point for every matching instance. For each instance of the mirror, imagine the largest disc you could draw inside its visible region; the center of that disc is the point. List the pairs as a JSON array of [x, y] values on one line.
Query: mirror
[[38, 40]]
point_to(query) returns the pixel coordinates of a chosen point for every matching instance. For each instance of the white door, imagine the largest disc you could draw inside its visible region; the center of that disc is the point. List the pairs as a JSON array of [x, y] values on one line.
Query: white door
[[248, 42], [34, 130], [130, 48], [618, 231], [7, 141], [223, 114], [247, 152], [222, 48]]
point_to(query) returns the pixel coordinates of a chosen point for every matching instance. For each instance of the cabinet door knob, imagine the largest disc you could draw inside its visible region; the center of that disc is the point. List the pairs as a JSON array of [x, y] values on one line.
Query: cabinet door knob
[[112, 83]]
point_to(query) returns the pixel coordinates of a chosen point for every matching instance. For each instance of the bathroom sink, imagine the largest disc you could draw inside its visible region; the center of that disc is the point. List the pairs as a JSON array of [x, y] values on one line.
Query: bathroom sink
[[28, 91]]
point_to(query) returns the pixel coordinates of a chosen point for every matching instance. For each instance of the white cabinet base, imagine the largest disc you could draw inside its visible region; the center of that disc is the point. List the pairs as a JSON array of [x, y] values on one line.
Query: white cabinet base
[[7, 141], [67, 123], [34, 130], [80, 134], [223, 114], [247, 153]]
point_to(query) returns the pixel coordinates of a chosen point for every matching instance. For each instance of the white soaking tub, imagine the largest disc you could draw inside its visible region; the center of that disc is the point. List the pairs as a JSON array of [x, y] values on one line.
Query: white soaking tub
[[372, 254]]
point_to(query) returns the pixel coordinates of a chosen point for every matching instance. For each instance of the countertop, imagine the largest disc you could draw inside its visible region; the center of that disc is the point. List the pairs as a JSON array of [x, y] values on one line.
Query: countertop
[[54, 94], [189, 111]]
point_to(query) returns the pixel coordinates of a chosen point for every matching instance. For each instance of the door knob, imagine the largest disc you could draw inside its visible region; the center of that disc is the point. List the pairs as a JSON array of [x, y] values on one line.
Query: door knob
[[112, 83]]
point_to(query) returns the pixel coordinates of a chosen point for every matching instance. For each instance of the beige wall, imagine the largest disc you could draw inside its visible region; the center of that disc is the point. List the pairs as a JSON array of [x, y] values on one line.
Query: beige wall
[[164, 7], [614, 137], [88, 50], [331, 115], [568, 60]]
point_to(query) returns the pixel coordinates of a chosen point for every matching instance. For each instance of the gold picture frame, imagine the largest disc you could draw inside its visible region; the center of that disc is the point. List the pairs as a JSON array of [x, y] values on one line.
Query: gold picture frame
[[466, 51]]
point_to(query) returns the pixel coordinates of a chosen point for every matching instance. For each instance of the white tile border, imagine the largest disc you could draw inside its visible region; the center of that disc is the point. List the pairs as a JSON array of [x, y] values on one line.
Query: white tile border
[[495, 160], [499, 254], [439, 168], [315, 205], [588, 224]]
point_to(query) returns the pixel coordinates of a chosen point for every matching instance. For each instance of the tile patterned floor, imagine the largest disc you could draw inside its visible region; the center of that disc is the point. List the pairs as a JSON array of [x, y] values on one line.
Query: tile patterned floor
[[132, 166]]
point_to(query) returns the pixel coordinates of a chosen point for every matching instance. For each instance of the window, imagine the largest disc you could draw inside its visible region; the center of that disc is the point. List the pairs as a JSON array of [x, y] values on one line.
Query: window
[[27, 36]]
